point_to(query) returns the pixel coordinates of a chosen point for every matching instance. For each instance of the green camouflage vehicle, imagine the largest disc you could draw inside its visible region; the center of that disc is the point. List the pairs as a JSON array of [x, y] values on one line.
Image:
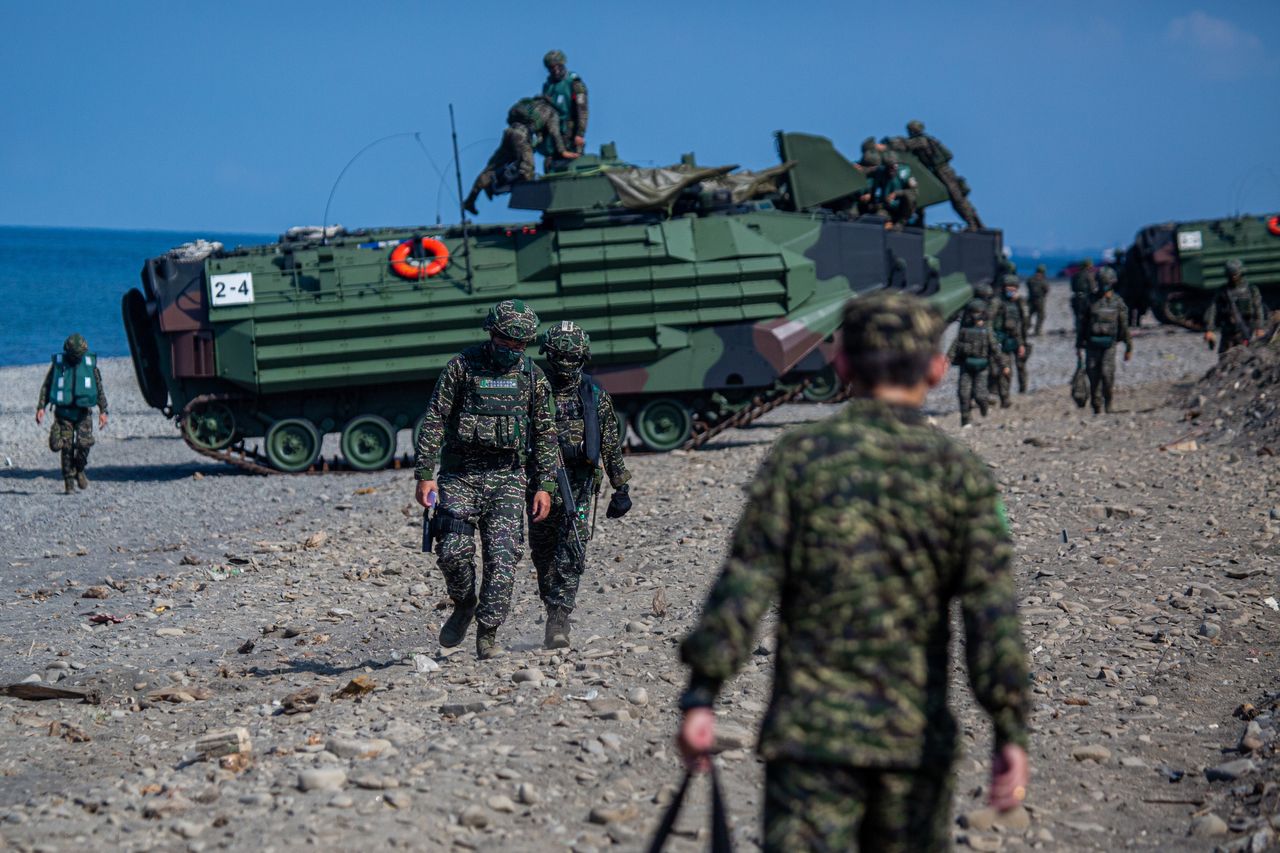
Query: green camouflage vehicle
[[710, 296], [1174, 268]]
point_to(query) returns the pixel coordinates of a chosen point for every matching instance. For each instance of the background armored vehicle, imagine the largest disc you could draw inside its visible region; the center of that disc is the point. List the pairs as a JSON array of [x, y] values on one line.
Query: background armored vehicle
[[710, 296], [1174, 268]]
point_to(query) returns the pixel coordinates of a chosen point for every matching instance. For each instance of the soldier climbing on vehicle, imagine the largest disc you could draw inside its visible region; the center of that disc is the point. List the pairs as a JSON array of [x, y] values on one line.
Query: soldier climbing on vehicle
[[936, 157], [532, 124]]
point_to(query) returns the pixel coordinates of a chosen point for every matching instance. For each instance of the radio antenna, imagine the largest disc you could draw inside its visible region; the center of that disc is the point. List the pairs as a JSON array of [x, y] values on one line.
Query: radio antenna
[[462, 211]]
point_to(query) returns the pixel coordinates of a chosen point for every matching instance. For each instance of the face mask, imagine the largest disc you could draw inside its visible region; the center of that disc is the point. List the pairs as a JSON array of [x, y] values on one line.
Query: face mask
[[568, 368], [504, 358]]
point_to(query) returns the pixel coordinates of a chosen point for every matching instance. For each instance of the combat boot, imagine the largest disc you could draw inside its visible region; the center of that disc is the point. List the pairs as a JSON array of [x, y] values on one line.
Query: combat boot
[[487, 642], [964, 422], [1108, 409], [81, 480], [470, 204], [69, 486], [455, 630], [557, 635], [984, 407]]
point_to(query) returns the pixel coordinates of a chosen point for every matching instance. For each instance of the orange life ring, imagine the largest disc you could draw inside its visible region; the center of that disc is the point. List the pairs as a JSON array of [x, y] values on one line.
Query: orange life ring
[[1273, 225], [404, 267]]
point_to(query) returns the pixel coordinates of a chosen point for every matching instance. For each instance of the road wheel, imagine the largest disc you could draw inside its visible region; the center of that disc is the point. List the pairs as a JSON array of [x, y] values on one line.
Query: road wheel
[[663, 424], [211, 426], [822, 386], [293, 444], [368, 442]]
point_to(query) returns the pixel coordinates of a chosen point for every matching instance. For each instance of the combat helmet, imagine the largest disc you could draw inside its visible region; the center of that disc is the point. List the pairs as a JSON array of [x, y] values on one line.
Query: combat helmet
[[566, 341], [1233, 267], [513, 319], [915, 127], [982, 290], [1009, 280], [553, 58], [1040, 267], [75, 346], [975, 310], [1106, 279]]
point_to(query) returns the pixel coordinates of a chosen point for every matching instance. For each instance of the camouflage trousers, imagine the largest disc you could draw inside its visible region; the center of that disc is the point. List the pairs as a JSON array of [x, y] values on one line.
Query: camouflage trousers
[[972, 386], [999, 382], [553, 551], [72, 438], [1100, 367], [810, 806], [959, 199], [493, 500], [1020, 367], [513, 161], [1035, 315]]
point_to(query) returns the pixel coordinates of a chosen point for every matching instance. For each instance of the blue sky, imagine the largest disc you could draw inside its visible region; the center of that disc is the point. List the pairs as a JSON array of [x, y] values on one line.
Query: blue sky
[[1075, 123]]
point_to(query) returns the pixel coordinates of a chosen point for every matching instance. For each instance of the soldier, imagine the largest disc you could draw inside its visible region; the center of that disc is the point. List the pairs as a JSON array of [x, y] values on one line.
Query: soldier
[[983, 292], [895, 191], [935, 157], [489, 417], [871, 156], [1009, 324], [588, 431], [1037, 293], [568, 94], [864, 527], [531, 123], [1104, 324], [1236, 310], [1084, 285], [973, 351], [74, 386]]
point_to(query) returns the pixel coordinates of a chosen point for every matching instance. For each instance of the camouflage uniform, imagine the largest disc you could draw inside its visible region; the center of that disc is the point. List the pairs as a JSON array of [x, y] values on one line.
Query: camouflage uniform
[[1084, 285], [864, 527], [894, 190], [531, 123], [1238, 298], [489, 416], [1037, 294], [568, 94], [1009, 324], [555, 555], [72, 430], [973, 350], [1104, 324], [935, 157]]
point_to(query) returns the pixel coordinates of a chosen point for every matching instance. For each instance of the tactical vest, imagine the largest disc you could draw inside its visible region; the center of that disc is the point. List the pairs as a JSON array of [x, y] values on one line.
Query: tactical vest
[[74, 386], [493, 414], [1104, 322], [560, 93], [1243, 299], [973, 347], [578, 425], [1003, 328]]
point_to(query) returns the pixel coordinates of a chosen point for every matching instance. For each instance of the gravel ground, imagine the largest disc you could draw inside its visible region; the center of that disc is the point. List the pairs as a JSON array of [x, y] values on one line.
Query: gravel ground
[[1144, 578]]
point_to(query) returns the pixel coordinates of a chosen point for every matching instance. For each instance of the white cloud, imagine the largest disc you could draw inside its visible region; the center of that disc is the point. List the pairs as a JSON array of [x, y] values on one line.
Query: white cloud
[[1221, 48]]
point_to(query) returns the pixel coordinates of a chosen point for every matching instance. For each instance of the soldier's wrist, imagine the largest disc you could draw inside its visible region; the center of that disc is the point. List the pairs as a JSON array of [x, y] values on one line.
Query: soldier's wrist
[[701, 693], [548, 486]]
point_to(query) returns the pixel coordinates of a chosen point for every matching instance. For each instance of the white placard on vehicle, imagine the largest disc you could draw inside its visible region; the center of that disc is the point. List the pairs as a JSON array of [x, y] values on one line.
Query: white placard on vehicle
[[233, 288], [1190, 241]]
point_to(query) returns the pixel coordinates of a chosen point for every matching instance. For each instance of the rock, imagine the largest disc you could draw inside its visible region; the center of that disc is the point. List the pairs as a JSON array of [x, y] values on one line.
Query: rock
[[1209, 630], [731, 737], [986, 843], [473, 816], [527, 676], [1230, 771], [322, 779], [424, 664], [398, 799], [1207, 826], [1133, 761], [301, 702], [315, 540], [187, 829], [1017, 819], [96, 592], [1091, 752], [373, 781], [1148, 701], [638, 696], [216, 744], [355, 748], [170, 632], [1252, 740], [501, 803], [358, 686], [527, 793], [605, 815]]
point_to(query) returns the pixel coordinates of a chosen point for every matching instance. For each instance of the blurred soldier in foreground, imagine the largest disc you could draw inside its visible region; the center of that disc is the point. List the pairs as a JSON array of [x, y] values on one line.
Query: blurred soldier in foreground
[[1037, 294], [1083, 286], [531, 123], [973, 351], [1010, 327], [588, 434], [568, 94], [1105, 323], [489, 417], [936, 157], [74, 386], [864, 527], [1236, 312]]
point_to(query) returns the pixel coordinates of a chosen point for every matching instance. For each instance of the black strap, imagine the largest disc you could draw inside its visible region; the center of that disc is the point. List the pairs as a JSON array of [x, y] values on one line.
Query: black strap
[[445, 523], [720, 839], [590, 420]]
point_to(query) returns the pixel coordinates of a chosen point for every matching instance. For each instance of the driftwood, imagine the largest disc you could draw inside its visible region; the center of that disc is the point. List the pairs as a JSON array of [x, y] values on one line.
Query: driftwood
[[224, 742], [34, 691]]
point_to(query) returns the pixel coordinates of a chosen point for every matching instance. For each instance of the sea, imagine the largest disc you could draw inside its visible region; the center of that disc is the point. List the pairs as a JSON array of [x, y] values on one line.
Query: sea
[[56, 281]]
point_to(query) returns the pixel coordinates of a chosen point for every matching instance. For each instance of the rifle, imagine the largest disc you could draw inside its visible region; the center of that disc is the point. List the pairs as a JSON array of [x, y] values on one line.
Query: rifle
[[1245, 332], [577, 550]]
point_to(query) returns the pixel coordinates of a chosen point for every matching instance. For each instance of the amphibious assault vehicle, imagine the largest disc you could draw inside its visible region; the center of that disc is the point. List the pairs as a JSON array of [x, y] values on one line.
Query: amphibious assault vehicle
[[1174, 268], [710, 296]]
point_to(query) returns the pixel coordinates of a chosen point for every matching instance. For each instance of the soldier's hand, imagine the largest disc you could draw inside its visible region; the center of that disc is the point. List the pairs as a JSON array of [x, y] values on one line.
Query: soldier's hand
[[425, 488], [1208, 338], [1128, 355], [1010, 774], [1022, 351], [619, 504], [696, 737], [579, 143], [1005, 371], [102, 421], [570, 155], [40, 416], [541, 506]]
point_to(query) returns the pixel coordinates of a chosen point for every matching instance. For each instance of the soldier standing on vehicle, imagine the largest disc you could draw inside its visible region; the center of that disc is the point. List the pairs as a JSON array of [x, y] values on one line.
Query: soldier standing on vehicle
[[588, 434], [936, 157], [1084, 285], [531, 123], [568, 94], [489, 417], [74, 386], [864, 527], [1009, 323], [1037, 294], [1105, 323], [1236, 311], [973, 351]]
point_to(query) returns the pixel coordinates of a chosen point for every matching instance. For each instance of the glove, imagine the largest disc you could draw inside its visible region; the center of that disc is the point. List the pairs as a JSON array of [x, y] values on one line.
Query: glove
[[619, 504]]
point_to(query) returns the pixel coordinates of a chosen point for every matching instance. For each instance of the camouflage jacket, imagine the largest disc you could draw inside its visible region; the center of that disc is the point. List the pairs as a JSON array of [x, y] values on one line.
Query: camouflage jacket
[[1009, 321], [452, 436], [569, 428], [864, 528], [973, 342], [69, 411], [1248, 300], [1037, 288], [542, 120], [1111, 310], [1084, 282]]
